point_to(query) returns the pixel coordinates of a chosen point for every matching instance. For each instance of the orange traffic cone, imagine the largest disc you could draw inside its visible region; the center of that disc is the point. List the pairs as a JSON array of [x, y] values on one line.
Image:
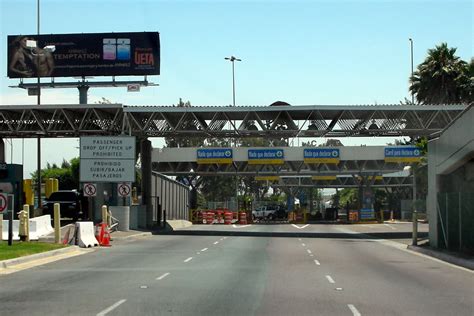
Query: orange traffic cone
[[104, 236]]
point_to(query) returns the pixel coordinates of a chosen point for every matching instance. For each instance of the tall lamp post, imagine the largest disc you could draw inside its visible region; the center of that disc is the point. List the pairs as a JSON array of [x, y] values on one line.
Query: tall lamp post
[[232, 59], [411, 54]]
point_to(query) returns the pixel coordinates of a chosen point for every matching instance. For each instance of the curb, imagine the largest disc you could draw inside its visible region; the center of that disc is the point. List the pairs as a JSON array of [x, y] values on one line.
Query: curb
[[12, 262], [144, 234], [465, 263]]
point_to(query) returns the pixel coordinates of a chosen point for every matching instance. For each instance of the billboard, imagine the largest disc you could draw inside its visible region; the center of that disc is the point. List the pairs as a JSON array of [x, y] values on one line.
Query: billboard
[[77, 55]]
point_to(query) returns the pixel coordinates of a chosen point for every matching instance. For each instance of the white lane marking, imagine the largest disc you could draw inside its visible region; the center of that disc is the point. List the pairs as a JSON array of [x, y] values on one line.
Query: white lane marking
[[296, 226], [143, 286], [317, 262], [299, 239], [216, 242], [161, 277], [203, 249], [240, 226], [354, 310], [390, 226], [189, 259], [330, 280], [111, 308], [309, 251], [311, 255], [304, 245], [198, 253], [225, 237]]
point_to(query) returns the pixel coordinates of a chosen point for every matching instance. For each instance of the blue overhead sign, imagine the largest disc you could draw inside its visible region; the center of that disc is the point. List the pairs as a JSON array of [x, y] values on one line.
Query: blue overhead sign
[[321, 155], [402, 154], [215, 155], [265, 157]]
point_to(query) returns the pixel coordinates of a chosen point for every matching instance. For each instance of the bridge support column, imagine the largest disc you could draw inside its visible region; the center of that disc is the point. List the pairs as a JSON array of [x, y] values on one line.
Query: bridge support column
[[145, 157]]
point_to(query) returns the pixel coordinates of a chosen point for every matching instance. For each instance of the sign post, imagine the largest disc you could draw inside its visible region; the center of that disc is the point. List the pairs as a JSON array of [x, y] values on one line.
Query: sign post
[[123, 191]]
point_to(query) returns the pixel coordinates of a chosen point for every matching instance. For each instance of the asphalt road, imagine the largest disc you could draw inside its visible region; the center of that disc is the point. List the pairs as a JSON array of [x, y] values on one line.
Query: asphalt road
[[238, 275]]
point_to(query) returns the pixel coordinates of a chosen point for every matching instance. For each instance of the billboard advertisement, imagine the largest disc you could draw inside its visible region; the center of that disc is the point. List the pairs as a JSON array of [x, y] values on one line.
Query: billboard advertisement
[[78, 55]]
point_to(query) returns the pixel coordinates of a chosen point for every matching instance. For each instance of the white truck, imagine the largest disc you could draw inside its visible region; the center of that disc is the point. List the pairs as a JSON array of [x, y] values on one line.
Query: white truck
[[268, 212]]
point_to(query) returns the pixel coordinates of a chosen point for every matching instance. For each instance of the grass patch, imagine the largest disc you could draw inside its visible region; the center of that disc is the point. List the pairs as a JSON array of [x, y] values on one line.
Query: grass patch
[[20, 249]]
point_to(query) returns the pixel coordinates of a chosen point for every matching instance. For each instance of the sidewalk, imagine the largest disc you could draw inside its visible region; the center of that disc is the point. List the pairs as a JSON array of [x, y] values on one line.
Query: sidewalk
[[120, 235], [455, 258]]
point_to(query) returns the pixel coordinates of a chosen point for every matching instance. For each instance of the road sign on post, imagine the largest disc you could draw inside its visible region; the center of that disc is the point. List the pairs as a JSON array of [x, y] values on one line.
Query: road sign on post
[[90, 189], [3, 202], [124, 189]]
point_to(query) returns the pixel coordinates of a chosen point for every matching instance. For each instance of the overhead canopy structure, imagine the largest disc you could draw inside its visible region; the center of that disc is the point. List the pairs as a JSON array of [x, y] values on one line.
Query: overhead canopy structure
[[250, 121], [351, 160]]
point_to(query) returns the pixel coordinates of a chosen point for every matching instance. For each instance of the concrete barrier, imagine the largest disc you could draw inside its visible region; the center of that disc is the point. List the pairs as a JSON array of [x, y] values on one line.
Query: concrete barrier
[[39, 226], [86, 235]]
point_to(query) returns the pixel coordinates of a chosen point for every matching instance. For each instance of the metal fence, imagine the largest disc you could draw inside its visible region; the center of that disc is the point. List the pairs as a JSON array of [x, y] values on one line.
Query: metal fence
[[168, 196], [456, 221]]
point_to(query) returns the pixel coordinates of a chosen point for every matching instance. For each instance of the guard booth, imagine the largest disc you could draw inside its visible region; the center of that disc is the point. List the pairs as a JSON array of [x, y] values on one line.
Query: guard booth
[[11, 182]]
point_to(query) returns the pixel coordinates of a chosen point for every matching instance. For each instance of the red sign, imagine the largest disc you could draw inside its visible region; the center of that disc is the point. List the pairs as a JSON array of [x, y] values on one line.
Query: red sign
[[90, 189], [3, 202]]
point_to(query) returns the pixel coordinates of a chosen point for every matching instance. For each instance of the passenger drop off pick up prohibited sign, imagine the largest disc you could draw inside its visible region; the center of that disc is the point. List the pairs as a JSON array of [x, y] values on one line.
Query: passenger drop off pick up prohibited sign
[[124, 189]]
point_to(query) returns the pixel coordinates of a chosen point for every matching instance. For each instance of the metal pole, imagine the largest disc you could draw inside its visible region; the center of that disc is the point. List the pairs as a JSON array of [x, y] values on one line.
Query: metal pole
[[38, 147], [460, 221], [233, 83], [414, 215], [411, 49]]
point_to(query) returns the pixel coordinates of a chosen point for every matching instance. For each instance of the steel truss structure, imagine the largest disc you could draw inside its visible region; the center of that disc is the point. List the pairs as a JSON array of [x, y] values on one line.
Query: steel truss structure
[[272, 122]]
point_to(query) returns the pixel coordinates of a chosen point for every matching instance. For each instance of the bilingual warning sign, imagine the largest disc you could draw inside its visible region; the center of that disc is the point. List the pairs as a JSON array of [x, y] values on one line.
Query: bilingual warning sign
[[107, 159]]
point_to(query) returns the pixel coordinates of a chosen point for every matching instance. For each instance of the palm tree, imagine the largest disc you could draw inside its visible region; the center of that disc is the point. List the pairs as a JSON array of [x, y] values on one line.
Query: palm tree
[[442, 78]]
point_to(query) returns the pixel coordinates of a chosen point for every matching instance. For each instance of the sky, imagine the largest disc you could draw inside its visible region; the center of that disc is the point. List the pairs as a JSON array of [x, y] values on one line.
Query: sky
[[302, 52]]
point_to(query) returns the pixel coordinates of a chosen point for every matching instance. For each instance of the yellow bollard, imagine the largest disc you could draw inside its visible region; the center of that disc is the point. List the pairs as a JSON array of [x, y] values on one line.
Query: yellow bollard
[[104, 214], [55, 185], [57, 223], [26, 207], [27, 189]]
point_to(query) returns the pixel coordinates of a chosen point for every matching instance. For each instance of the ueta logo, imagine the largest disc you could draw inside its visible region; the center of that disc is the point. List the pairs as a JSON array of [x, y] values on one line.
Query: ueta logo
[[144, 58]]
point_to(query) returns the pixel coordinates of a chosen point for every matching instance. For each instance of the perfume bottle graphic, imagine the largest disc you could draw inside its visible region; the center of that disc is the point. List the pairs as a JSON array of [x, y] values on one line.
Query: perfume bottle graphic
[[110, 48], [123, 48]]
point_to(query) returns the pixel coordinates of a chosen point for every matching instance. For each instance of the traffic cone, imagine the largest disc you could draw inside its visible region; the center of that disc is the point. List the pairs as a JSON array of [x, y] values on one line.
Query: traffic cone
[[105, 236]]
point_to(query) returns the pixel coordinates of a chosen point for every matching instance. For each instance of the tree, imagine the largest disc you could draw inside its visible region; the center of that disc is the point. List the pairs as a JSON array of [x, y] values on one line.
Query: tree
[[67, 174], [443, 78]]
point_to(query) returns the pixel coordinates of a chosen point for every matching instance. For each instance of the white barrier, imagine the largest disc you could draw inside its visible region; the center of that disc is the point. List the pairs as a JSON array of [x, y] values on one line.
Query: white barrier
[[86, 234], [39, 226]]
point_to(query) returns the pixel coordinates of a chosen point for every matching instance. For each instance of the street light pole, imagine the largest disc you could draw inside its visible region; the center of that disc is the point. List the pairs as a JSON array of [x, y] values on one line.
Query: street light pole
[[232, 59], [415, 213], [411, 50]]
